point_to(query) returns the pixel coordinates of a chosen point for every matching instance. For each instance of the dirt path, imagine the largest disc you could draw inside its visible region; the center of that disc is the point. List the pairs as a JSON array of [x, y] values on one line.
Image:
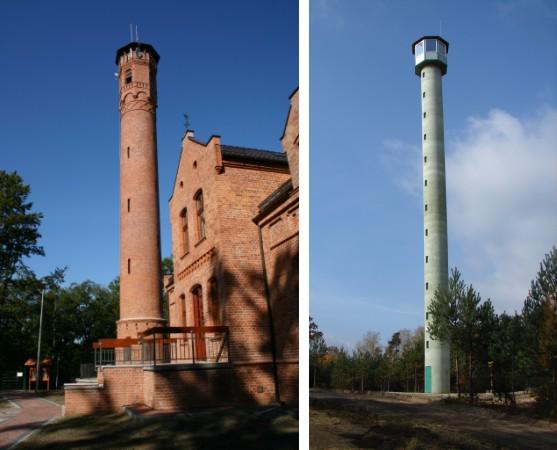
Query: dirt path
[[25, 414], [384, 422]]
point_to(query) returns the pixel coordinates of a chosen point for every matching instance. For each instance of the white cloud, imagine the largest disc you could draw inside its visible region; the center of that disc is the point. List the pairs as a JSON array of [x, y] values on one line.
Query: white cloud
[[502, 201], [501, 196], [403, 161]]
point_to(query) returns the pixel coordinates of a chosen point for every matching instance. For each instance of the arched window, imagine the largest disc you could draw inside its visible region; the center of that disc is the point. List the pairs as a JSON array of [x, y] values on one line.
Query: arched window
[[198, 321], [183, 307], [200, 210], [184, 235], [128, 76], [197, 304], [214, 304]]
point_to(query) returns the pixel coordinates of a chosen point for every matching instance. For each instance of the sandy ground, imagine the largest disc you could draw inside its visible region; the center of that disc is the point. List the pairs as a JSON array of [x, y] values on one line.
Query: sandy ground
[[339, 421]]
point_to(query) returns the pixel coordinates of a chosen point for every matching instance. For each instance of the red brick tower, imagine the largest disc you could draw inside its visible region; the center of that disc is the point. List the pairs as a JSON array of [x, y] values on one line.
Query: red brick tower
[[140, 255]]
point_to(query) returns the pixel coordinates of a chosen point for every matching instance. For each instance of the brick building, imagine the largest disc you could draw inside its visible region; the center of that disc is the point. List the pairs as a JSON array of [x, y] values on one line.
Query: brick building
[[232, 333]]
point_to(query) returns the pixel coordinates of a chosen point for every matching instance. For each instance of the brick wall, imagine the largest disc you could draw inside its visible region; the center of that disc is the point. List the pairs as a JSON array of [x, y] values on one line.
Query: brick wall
[[289, 140], [246, 309], [78, 401], [186, 389], [288, 382]]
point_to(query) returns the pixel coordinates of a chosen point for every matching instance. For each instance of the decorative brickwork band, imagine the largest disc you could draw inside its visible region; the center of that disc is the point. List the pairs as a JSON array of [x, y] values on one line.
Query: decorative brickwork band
[[203, 259]]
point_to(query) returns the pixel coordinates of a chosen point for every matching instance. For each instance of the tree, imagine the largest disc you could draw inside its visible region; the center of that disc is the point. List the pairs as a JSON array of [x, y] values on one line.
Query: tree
[[507, 354], [459, 317], [167, 265], [366, 358], [317, 348], [540, 321], [413, 356], [19, 227]]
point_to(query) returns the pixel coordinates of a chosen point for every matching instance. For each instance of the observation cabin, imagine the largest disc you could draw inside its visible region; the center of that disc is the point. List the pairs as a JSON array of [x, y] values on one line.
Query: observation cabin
[[430, 50]]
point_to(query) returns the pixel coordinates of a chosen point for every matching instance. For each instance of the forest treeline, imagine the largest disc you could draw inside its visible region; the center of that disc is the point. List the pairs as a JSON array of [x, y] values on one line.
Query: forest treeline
[[490, 352], [74, 316]]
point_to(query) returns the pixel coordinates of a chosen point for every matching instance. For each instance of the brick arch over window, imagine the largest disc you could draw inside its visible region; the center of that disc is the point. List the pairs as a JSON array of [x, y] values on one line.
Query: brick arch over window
[[184, 231], [200, 213]]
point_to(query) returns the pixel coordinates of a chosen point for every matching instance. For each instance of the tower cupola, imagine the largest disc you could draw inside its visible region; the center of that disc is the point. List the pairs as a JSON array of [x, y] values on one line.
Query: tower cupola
[[430, 50]]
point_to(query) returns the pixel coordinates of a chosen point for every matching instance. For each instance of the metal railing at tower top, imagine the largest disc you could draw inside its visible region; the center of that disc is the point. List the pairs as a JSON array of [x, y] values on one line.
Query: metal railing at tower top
[[166, 345]]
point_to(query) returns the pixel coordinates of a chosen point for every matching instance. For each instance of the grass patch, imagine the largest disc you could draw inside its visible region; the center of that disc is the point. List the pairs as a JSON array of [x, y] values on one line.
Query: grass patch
[[53, 396], [225, 429], [388, 431], [5, 404]]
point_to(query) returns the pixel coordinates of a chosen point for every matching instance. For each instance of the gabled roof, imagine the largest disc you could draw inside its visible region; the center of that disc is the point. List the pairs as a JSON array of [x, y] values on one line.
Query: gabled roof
[[278, 195], [233, 153], [230, 152], [288, 115]]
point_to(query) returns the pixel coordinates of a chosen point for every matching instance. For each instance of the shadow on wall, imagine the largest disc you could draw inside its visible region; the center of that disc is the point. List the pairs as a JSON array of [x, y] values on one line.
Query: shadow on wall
[[250, 379]]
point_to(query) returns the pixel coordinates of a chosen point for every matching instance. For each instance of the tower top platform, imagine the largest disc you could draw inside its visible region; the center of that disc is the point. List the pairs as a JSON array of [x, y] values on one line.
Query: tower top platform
[[137, 46], [430, 50]]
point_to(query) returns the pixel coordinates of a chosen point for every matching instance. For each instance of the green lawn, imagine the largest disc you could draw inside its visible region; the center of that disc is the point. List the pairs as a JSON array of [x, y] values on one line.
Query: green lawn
[[277, 429]]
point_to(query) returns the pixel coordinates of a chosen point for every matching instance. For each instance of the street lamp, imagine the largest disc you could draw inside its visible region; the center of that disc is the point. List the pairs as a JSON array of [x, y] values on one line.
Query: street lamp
[[37, 376]]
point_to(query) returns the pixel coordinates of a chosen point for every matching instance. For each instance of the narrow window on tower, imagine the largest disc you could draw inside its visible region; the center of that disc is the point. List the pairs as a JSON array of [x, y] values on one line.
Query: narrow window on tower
[[423, 94], [184, 231], [426, 231], [423, 74], [426, 344], [424, 114], [128, 76], [425, 183], [200, 214], [129, 265], [425, 207], [425, 159], [426, 315], [426, 286], [426, 259], [129, 204], [128, 153], [425, 136]]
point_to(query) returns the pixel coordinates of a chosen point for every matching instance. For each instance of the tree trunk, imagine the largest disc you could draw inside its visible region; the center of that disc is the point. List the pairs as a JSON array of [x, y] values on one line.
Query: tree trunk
[[457, 377], [470, 376], [513, 397], [415, 379], [314, 376], [362, 383]]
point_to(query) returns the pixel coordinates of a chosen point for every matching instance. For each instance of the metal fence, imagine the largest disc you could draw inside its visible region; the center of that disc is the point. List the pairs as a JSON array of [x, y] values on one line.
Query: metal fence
[[166, 345]]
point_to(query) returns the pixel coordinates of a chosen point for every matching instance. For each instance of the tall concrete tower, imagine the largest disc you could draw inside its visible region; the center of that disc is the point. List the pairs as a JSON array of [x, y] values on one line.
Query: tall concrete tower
[[140, 255], [431, 64]]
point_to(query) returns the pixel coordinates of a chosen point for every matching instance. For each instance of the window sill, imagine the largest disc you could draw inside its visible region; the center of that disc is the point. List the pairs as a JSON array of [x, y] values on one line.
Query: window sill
[[184, 255], [200, 241]]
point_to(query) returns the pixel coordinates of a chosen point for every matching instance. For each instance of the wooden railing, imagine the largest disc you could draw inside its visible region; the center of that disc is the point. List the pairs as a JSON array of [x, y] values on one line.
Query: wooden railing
[[166, 345]]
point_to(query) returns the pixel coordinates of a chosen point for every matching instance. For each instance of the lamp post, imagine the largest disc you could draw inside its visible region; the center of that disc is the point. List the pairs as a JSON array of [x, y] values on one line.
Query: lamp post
[[37, 376]]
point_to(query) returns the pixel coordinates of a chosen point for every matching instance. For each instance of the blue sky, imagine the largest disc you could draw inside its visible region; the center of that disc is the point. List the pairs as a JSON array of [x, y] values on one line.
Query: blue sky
[[500, 104], [230, 65]]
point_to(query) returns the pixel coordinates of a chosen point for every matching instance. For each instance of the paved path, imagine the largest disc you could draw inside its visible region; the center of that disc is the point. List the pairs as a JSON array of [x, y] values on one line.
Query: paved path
[[28, 412]]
